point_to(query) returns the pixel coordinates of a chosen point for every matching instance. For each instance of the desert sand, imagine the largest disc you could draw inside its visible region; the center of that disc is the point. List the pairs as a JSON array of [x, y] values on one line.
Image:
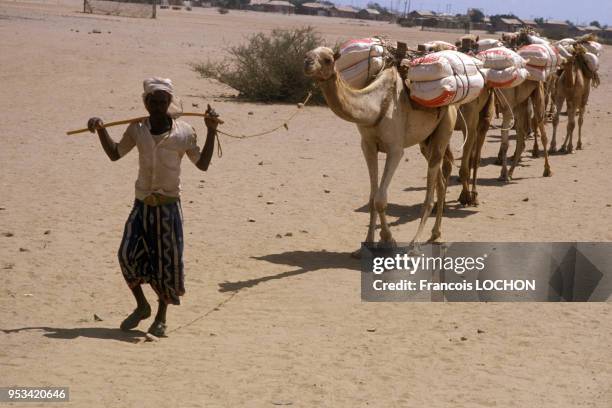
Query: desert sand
[[266, 320]]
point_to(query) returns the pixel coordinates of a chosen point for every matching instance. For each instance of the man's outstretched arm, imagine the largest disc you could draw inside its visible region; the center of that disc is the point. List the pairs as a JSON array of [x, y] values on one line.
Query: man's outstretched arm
[[108, 144], [211, 122]]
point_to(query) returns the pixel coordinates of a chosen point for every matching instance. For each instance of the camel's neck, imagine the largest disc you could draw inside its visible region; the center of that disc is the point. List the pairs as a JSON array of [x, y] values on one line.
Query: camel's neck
[[360, 106], [568, 76]]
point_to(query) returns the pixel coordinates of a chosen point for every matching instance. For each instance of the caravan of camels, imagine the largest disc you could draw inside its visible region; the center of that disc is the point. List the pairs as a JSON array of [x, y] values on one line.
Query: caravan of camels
[[400, 97]]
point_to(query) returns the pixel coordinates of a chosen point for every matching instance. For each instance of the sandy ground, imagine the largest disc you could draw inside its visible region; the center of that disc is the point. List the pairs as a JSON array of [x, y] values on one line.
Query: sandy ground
[[266, 321]]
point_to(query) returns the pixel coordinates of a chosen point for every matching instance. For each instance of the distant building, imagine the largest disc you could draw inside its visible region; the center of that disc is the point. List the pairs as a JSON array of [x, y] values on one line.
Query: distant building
[[314, 9], [529, 23], [509, 25], [257, 5], [343, 11], [588, 29], [368, 14], [605, 35], [421, 14], [278, 6], [557, 29], [556, 24]]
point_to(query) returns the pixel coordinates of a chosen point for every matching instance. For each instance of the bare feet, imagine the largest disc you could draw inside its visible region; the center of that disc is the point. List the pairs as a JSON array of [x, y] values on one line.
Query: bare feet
[[158, 329], [132, 321]]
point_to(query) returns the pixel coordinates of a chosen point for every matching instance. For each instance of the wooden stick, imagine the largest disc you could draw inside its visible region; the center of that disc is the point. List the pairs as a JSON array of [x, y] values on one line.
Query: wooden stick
[[126, 121]]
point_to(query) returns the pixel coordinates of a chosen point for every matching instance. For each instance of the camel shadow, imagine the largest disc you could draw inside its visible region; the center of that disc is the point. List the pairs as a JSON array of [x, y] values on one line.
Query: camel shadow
[[497, 138], [415, 189], [305, 261], [408, 213], [489, 161], [104, 333]]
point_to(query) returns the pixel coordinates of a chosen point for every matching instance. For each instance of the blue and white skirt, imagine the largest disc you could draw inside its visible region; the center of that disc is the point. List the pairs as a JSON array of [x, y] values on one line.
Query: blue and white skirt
[[151, 250]]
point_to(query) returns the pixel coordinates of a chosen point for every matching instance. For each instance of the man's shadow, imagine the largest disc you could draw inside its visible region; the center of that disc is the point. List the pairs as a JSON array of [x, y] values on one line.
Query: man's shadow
[[305, 261], [105, 333]]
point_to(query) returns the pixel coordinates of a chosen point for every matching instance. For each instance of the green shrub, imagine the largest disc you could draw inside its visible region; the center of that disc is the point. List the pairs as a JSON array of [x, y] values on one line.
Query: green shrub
[[268, 68]]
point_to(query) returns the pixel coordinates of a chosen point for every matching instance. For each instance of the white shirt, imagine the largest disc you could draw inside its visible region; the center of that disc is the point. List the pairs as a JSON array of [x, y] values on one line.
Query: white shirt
[[159, 156]]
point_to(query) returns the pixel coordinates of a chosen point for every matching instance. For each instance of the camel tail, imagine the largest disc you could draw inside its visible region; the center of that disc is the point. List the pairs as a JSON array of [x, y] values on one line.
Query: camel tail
[[491, 108], [447, 163]]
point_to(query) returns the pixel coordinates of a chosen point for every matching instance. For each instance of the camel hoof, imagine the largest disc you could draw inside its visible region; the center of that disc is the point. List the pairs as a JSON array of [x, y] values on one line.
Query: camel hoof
[[505, 178], [579, 146], [474, 201], [552, 150], [356, 254], [435, 239], [387, 243], [563, 149], [464, 198], [547, 173], [535, 154]]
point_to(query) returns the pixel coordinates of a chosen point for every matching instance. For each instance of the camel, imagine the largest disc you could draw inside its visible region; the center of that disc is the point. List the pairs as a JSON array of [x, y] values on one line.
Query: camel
[[521, 101], [478, 115], [573, 87], [516, 100], [388, 123]]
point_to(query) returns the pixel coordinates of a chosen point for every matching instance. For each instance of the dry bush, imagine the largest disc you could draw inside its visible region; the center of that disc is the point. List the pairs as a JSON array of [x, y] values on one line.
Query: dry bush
[[268, 68]]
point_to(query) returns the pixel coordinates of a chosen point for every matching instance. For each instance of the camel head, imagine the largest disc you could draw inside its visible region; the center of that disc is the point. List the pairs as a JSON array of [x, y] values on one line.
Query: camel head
[[319, 63]]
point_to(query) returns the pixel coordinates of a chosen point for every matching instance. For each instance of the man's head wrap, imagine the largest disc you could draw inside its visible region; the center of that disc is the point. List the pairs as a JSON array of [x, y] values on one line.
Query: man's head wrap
[[153, 84]]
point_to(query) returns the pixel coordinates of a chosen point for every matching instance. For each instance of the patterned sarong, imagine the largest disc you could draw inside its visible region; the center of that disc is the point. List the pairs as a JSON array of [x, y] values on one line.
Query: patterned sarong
[[151, 250]]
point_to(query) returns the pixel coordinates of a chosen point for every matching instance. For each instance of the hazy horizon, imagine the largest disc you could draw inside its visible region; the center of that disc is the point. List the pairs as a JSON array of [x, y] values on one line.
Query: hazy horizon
[[587, 11]]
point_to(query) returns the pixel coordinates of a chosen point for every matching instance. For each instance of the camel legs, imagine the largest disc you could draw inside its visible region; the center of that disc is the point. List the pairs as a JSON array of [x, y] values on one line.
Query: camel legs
[[583, 105], [539, 110], [468, 148], [535, 151], [394, 156], [580, 122], [505, 140], [441, 194], [483, 127], [521, 116], [571, 124], [436, 149], [370, 153], [555, 122]]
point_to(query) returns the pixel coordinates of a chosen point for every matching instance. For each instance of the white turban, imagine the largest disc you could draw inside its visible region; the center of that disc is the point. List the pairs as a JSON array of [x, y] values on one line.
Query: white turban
[[151, 85]]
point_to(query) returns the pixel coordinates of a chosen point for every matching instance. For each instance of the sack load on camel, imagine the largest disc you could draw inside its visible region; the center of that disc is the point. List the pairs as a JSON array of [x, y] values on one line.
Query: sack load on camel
[[592, 61], [488, 43], [503, 67], [360, 60], [542, 60], [444, 78], [565, 47], [435, 46], [593, 47]]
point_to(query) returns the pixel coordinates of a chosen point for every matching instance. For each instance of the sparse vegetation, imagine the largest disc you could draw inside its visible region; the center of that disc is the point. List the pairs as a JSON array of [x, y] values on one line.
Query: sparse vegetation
[[268, 68]]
